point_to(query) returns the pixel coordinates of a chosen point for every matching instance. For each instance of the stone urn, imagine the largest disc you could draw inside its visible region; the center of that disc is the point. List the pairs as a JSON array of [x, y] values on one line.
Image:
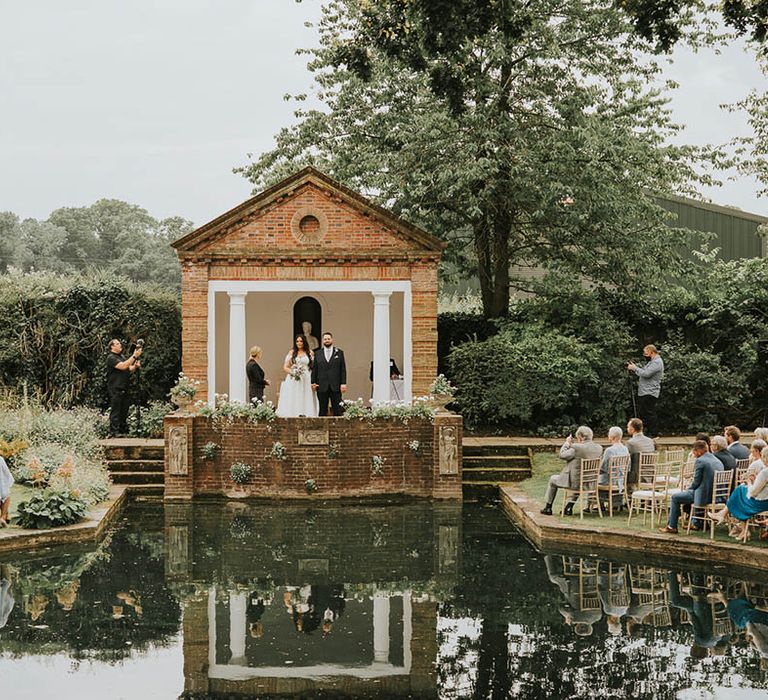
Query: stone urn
[[183, 402], [440, 401]]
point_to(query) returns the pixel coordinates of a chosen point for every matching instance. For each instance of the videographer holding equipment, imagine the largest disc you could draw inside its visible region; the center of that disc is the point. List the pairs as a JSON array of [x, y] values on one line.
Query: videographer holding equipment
[[119, 370], [648, 387]]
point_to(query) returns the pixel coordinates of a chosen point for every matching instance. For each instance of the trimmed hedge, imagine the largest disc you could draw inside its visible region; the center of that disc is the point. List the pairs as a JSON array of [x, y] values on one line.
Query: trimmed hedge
[[55, 331]]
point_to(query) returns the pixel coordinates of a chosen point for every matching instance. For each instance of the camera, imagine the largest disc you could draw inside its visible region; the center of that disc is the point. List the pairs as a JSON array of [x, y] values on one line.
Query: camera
[[140, 343]]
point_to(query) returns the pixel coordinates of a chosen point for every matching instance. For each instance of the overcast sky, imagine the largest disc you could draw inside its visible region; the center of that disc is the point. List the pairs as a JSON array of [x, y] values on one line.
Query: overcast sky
[[155, 101]]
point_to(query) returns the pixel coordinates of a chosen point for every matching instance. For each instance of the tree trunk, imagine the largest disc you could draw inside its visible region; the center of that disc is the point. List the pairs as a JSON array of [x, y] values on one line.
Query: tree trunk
[[492, 251]]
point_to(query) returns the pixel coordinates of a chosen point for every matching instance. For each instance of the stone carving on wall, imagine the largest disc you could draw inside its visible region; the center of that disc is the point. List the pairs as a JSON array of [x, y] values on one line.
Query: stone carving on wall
[[178, 550], [177, 451], [313, 437], [448, 547], [448, 450]]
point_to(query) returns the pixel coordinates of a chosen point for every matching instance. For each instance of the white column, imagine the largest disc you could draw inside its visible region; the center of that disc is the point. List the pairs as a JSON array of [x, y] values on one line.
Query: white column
[[381, 627], [381, 346], [238, 603], [237, 349], [211, 345], [212, 626], [407, 630], [408, 343]]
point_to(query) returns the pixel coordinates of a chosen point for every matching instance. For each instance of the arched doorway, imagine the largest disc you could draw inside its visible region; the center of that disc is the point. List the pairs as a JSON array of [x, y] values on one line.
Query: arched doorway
[[308, 310]]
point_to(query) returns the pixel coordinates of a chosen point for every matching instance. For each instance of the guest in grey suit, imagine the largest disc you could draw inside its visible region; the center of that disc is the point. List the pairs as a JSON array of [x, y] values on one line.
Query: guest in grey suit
[[638, 443], [700, 490], [719, 448], [572, 451], [736, 448]]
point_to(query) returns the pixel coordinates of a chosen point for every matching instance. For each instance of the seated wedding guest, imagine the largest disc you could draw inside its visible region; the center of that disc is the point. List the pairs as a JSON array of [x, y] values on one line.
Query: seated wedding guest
[[637, 444], [615, 449], [746, 616], [755, 460], [700, 490], [572, 452], [721, 451], [747, 499], [255, 373], [6, 481], [761, 434], [733, 436], [700, 612], [581, 619], [614, 597]]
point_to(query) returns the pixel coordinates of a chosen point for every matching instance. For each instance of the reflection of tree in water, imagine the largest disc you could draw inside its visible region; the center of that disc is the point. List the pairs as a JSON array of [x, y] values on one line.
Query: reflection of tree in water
[[100, 607]]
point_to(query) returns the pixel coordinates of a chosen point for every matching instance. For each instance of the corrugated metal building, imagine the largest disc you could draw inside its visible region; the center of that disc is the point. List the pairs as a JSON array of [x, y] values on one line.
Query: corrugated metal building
[[736, 235], [736, 231]]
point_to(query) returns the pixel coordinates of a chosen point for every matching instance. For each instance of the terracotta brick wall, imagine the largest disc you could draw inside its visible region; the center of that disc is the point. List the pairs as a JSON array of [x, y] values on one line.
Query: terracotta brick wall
[[350, 474], [357, 246]]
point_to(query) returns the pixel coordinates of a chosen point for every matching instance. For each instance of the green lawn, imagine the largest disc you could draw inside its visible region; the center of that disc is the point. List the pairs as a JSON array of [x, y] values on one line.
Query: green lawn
[[547, 463]]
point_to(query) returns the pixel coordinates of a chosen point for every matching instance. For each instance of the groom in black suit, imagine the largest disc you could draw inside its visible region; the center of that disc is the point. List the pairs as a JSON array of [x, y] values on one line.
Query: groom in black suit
[[329, 375]]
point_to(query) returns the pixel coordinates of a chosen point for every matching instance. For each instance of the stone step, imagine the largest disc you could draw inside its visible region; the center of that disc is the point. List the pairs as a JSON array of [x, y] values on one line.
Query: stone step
[[481, 491], [497, 474], [141, 491], [133, 448], [487, 450], [497, 461], [135, 465], [138, 477]]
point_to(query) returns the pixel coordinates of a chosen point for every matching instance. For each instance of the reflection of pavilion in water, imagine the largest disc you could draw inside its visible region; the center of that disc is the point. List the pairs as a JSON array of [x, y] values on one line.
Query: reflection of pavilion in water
[[278, 601]]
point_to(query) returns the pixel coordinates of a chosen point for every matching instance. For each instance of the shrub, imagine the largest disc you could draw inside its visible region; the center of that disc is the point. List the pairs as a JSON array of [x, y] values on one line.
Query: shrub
[[51, 509], [63, 453], [495, 377], [53, 340], [240, 472], [227, 412], [152, 417]]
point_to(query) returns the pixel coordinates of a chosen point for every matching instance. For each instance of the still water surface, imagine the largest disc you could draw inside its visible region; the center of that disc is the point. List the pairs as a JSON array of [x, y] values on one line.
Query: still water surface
[[424, 600]]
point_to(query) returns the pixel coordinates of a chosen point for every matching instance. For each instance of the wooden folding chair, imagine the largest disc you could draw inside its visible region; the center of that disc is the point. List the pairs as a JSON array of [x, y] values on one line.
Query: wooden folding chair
[[721, 489], [686, 476], [676, 460], [589, 472], [618, 468], [647, 493]]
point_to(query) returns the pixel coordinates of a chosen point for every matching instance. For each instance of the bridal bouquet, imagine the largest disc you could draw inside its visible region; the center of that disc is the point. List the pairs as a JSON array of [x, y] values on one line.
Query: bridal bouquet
[[297, 371]]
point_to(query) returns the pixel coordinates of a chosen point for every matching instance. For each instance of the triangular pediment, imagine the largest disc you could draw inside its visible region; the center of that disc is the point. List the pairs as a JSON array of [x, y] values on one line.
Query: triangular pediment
[[308, 212]]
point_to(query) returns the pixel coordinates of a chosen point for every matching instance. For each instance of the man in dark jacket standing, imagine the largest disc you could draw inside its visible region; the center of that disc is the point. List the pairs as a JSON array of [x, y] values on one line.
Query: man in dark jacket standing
[[329, 376], [119, 370]]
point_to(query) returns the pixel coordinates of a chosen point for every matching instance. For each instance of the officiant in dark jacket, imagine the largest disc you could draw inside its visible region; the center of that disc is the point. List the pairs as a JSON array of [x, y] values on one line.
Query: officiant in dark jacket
[[329, 376], [255, 373]]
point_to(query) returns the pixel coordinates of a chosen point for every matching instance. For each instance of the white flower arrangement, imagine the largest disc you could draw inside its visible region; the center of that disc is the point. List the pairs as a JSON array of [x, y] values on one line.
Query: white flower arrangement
[[441, 386], [185, 387]]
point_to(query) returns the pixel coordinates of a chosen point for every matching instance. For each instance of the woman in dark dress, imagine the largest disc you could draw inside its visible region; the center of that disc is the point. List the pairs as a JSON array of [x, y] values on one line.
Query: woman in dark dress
[[256, 381]]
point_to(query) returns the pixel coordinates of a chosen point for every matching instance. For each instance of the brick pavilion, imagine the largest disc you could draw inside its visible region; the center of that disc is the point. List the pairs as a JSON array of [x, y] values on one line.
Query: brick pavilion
[[309, 251]]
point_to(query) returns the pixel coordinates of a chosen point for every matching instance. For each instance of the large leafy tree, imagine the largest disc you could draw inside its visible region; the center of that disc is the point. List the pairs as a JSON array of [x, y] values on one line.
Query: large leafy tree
[[109, 235], [534, 135]]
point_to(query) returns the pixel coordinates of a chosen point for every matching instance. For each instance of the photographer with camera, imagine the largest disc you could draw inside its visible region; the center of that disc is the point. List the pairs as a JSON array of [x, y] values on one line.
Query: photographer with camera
[[648, 387], [119, 370]]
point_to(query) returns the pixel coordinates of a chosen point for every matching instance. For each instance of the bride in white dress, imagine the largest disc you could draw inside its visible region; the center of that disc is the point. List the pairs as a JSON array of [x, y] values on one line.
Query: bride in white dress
[[296, 395]]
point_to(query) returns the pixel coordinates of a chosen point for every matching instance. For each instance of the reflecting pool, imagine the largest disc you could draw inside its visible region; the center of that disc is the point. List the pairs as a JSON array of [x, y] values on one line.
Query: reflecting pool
[[425, 600]]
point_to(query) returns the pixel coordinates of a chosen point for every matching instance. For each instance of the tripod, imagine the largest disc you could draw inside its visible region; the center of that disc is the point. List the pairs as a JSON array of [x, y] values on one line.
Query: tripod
[[632, 395]]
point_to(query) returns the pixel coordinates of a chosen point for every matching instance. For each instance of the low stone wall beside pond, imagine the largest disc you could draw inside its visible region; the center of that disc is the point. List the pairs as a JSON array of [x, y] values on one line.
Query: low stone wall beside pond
[[313, 458]]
